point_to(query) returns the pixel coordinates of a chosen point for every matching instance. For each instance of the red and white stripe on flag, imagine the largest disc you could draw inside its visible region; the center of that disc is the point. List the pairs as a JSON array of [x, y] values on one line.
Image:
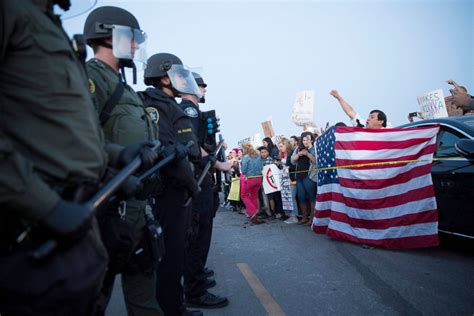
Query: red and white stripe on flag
[[390, 205]]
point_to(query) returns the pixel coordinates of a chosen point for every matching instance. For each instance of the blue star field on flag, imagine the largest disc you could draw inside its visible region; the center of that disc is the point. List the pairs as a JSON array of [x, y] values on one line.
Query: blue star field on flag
[[326, 157]]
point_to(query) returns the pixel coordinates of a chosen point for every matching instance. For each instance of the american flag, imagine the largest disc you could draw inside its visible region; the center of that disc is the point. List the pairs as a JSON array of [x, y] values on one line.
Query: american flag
[[389, 205]]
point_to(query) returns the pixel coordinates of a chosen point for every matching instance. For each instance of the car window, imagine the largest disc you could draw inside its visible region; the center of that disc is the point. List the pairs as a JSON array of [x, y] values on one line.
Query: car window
[[445, 143]]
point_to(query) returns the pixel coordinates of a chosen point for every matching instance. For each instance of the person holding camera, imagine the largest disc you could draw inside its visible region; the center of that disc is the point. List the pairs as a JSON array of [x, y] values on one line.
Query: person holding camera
[[305, 187]]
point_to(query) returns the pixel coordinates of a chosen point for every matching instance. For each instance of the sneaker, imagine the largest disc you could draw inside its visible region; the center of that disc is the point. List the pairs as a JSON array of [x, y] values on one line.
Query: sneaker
[[278, 216], [291, 220], [284, 217], [207, 300]]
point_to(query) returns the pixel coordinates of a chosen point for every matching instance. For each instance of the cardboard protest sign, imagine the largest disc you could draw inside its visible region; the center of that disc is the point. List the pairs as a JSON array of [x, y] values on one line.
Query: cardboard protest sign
[[432, 104], [268, 129], [271, 179], [303, 108]]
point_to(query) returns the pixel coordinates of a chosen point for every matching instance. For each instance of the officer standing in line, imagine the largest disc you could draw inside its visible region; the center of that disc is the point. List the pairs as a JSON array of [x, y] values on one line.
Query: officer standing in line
[[196, 282], [169, 78], [114, 34], [51, 149]]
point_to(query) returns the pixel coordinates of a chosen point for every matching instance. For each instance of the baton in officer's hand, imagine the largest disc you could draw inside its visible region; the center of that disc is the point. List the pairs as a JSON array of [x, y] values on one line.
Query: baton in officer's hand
[[163, 162], [205, 170], [95, 202]]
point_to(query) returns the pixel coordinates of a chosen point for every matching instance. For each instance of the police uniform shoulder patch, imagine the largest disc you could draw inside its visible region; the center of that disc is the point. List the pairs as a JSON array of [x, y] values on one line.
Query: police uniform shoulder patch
[[91, 86], [153, 114], [191, 112]]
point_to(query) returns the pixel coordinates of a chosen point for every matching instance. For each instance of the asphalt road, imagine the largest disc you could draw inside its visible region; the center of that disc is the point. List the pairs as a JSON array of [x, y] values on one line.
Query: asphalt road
[[282, 269]]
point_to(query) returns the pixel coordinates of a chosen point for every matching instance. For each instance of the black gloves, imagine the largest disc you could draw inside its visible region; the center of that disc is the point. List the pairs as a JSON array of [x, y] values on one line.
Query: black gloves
[[144, 149], [179, 149], [68, 219]]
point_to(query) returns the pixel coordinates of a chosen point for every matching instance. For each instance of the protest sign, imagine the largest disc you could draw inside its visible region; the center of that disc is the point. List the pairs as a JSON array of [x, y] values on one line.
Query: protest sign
[[271, 179], [303, 108], [268, 129], [247, 139], [432, 104], [234, 192]]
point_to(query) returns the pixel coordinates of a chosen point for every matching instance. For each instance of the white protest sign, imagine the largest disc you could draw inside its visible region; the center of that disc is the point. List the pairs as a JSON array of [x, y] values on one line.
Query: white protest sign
[[271, 179], [303, 108], [432, 104], [240, 142], [256, 140]]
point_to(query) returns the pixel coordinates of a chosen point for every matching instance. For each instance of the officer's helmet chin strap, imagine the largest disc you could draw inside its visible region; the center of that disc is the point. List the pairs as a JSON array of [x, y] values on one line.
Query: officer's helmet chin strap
[[129, 64]]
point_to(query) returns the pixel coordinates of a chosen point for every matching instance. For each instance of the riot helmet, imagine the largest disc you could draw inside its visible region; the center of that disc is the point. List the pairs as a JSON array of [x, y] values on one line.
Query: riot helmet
[[168, 65], [199, 80], [202, 85], [128, 40]]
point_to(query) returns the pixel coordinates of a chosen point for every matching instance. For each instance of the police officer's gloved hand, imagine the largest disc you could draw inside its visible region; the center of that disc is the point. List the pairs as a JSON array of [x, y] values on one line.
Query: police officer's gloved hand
[[68, 219], [179, 149], [130, 188], [185, 176], [144, 149], [210, 158]]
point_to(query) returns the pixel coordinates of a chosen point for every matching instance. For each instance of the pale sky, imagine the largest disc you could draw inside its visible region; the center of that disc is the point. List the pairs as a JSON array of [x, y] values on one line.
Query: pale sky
[[255, 55]]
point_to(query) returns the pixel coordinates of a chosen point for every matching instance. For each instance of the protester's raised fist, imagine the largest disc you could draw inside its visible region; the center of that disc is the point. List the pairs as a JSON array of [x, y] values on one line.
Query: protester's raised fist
[[335, 94], [450, 81]]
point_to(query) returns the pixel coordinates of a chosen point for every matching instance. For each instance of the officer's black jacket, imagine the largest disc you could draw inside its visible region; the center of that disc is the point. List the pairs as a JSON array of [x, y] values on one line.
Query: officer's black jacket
[[193, 113], [175, 127]]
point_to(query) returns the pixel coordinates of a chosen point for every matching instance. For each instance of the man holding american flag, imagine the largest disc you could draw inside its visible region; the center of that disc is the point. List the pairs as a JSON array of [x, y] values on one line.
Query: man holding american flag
[[380, 192]]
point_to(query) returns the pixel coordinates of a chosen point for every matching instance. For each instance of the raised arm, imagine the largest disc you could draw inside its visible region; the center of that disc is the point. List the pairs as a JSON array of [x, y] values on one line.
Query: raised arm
[[346, 107]]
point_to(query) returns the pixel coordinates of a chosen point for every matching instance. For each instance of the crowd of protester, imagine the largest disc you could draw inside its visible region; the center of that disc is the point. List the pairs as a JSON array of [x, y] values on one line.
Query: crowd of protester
[[296, 158]]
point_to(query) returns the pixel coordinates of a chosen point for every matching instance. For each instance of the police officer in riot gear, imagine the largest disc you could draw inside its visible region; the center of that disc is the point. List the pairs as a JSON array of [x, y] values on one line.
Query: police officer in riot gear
[[196, 282], [115, 36], [169, 79], [52, 157]]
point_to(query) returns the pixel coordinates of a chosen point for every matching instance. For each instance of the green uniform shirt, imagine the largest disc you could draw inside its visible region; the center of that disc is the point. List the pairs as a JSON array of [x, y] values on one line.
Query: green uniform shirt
[[49, 131], [129, 123]]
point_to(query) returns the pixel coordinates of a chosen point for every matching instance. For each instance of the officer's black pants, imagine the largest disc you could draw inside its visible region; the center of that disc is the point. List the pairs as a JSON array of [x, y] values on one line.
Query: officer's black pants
[[173, 218], [199, 242]]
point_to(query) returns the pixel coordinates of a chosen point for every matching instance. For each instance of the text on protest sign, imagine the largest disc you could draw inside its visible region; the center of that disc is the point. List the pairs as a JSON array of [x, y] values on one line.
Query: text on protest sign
[[432, 104], [303, 108]]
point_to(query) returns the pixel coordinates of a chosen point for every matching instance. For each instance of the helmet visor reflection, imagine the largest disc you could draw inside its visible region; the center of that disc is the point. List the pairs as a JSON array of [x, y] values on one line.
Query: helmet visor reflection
[[128, 43], [182, 80]]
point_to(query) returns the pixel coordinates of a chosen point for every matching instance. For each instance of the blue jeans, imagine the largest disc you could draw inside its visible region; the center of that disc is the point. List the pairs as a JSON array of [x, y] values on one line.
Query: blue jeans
[[306, 190]]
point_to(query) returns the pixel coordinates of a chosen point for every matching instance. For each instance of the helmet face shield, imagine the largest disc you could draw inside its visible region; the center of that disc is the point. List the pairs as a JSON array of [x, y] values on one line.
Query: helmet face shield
[[129, 43], [183, 80]]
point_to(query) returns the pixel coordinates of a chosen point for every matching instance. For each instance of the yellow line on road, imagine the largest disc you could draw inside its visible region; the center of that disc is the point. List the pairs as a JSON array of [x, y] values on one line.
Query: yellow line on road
[[270, 305]]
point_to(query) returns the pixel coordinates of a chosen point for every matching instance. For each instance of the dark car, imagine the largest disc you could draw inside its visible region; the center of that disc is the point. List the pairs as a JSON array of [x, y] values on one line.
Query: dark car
[[453, 178]]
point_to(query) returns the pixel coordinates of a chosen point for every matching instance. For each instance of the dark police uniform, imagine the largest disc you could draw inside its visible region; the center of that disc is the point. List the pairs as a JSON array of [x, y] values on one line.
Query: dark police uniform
[[50, 140], [202, 214], [173, 216], [130, 122]]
